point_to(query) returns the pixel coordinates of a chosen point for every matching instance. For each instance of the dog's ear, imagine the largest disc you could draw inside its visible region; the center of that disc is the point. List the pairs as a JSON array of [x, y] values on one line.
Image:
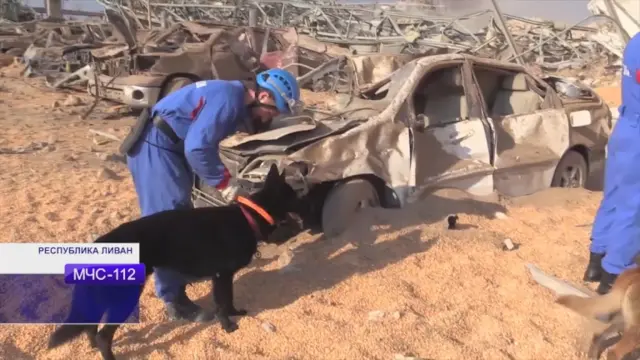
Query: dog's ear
[[273, 177]]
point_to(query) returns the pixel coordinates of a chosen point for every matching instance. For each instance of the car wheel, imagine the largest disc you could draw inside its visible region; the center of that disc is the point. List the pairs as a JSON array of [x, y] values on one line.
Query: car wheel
[[344, 201], [571, 171], [175, 84]]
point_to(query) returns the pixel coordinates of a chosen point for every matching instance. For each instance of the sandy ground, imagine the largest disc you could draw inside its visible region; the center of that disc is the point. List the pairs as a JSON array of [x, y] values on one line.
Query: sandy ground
[[398, 283], [611, 95]]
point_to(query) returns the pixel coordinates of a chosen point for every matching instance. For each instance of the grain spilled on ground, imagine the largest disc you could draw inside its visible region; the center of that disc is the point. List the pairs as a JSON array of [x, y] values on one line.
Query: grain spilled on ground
[[397, 283]]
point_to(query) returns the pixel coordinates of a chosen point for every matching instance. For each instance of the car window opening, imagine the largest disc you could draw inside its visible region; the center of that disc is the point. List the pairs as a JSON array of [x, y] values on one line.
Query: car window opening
[[507, 93], [440, 97]]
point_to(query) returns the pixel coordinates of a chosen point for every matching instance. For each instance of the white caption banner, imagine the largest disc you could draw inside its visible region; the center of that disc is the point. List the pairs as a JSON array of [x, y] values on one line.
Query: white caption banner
[[50, 258]]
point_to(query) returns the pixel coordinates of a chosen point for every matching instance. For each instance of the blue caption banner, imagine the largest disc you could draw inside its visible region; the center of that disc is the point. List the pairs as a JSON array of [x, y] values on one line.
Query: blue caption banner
[[104, 274], [46, 299]]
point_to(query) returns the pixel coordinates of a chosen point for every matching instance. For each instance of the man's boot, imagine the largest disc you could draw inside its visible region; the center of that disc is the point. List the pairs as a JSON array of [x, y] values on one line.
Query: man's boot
[[594, 270], [606, 281]]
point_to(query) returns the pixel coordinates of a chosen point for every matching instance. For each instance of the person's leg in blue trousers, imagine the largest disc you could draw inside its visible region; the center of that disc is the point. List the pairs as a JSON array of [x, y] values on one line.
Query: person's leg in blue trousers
[[163, 182], [603, 221], [623, 237], [605, 216]]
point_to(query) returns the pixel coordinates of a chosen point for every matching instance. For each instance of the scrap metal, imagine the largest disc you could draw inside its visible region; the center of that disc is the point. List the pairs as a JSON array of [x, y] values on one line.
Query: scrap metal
[[52, 47], [422, 29]]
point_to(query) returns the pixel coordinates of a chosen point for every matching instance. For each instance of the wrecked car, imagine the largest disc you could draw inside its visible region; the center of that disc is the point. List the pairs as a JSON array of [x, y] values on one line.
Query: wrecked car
[[452, 120], [137, 72], [147, 63]]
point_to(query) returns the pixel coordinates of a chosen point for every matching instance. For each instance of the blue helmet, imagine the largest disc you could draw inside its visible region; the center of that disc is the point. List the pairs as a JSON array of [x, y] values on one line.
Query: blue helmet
[[283, 86]]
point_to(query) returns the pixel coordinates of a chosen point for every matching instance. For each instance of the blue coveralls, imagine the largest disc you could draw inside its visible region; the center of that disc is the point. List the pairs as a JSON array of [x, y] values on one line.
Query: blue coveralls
[[616, 228], [201, 114]]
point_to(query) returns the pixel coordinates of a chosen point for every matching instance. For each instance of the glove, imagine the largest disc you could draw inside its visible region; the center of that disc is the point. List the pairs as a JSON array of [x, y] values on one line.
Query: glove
[[226, 176], [229, 194]]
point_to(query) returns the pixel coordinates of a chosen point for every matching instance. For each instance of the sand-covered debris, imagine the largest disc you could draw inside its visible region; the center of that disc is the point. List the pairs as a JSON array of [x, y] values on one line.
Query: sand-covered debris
[[443, 294]]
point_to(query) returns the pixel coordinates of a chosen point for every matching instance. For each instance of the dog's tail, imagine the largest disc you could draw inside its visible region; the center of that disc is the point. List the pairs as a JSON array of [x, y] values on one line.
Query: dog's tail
[[593, 306], [66, 333]]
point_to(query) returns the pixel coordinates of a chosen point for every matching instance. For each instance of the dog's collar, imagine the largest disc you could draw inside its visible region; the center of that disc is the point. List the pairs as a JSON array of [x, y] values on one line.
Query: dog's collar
[[255, 207], [252, 223], [246, 203]]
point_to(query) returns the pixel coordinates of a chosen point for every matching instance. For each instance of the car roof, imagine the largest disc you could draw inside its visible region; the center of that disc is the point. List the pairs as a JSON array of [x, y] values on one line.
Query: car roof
[[432, 59]]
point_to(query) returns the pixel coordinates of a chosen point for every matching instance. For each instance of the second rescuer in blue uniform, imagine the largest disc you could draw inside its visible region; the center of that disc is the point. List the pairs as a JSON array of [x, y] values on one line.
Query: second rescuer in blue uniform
[[188, 125], [616, 229]]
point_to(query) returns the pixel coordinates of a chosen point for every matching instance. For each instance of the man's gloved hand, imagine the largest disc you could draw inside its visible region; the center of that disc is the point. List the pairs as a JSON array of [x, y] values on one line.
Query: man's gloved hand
[[229, 194], [227, 187], [224, 183]]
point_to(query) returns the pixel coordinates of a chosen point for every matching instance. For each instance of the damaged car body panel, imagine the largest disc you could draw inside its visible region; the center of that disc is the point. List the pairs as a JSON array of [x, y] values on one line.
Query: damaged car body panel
[[449, 120], [536, 123], [450, 137], [529, 149], [380, 148], [530, 126]]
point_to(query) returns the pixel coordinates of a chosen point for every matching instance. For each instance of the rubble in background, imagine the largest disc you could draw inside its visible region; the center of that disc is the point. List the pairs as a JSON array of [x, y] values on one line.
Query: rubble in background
[[53, 47], [624, 14], [401, 28], [585, 51]]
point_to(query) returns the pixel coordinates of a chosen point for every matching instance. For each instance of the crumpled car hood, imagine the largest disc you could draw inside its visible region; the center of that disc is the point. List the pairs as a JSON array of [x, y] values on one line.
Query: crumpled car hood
[[293, 131], [281, 140], [290, 134]]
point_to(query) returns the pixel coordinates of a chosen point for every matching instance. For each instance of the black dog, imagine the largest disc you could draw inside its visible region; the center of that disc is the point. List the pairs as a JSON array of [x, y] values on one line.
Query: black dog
[[212, 242]]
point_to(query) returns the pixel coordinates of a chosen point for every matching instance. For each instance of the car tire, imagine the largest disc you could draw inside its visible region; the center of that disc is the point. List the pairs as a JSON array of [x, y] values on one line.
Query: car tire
[[175, 84], [344, 201], [571, 171]]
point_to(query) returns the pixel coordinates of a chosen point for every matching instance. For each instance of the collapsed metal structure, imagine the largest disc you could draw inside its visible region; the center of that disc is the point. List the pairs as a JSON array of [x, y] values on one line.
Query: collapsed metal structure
[[15, 11], [397, 28]]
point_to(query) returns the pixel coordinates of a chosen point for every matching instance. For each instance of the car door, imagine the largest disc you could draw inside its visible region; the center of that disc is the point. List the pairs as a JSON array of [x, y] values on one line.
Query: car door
[[531, 128], [450, 139]]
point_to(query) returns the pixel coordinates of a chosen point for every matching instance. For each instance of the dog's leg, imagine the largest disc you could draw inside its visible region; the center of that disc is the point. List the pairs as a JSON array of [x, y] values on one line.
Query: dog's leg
[[122, 303], [104, 341], [228, 298], [601, 339], [627, 344], [223, 299], [64, 334]]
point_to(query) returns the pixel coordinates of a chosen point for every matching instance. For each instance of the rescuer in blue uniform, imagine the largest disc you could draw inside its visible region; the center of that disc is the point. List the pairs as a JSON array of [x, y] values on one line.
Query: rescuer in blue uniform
[[615, 237], [187, 126]]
